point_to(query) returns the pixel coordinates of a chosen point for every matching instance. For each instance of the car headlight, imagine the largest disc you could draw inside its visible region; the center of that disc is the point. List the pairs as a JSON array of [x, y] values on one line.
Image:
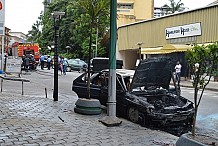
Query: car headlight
[[150, 110]]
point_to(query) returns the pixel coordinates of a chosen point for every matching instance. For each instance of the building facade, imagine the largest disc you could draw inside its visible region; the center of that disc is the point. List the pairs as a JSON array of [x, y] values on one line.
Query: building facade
[[129, 11], [197, 26], [7, 39]]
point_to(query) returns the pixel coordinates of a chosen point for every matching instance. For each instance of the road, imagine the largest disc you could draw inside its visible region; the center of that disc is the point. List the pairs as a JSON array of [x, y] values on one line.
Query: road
[[41, 82], [207, 118]]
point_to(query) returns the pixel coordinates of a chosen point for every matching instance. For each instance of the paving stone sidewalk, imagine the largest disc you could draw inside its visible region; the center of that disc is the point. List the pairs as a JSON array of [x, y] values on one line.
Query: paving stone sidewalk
[[38, 121]]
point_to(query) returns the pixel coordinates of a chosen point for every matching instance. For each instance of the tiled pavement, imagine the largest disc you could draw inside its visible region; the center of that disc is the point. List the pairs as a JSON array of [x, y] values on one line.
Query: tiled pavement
[[38, 121]]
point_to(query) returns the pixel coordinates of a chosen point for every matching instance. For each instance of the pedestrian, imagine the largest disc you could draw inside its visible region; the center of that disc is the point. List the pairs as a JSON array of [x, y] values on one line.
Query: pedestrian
[[5, 62], [32, 62], [178, 68], [26, 63], [65, 65], [49, 62], [61, 64], [42, 61]]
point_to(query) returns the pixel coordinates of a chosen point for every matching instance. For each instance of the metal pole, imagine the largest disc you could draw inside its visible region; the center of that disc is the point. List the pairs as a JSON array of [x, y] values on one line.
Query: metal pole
[[112, 60], [2, 64], [55, 92]]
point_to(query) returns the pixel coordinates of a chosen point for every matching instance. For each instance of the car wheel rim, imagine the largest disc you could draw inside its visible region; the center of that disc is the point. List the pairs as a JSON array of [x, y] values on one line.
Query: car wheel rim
[[133, 114]]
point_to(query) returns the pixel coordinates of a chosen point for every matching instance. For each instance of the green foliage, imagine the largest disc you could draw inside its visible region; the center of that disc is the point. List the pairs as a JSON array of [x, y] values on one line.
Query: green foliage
[[175, 6], [74, 27], [204, 63]]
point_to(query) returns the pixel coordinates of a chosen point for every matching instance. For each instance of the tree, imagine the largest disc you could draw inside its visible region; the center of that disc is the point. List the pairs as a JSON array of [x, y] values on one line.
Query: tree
[[35, 34], [93, 9], [175, 7], [74, 28], [203, 60]]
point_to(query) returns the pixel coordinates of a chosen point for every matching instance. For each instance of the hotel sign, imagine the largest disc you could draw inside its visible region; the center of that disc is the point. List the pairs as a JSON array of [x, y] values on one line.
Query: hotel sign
[[183, 31]]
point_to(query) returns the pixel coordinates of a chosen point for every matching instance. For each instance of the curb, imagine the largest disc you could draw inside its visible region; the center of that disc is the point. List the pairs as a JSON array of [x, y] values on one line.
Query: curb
[[211, 89], [189, 86]]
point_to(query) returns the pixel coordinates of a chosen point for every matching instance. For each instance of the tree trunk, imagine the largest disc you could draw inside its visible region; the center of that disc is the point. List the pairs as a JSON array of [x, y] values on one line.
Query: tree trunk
[[196, 108], [194, 122], [90, 49]]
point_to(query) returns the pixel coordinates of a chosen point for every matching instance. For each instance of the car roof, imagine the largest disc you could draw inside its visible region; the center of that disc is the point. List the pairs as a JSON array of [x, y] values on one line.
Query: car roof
[[123, 72]]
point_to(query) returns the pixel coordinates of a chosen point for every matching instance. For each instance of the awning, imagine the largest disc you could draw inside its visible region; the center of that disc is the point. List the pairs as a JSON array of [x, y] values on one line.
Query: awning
[[170, 48], [156, 50]]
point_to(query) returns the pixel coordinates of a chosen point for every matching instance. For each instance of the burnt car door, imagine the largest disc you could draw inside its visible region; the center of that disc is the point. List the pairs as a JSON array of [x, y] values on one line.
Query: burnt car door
[[80, 86], [95, 86], [104, 88]]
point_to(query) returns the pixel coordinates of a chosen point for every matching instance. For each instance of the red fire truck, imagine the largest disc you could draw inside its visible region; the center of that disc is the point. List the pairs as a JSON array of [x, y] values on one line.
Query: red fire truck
[[26, 50], [29, 49]]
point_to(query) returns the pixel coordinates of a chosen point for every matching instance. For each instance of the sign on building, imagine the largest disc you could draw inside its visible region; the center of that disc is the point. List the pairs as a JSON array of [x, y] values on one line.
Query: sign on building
[[183, 31], [2, 17]]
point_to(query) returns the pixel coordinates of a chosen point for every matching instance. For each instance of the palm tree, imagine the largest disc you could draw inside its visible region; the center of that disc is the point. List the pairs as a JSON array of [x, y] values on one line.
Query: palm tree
[[175, 7], [94, 9]]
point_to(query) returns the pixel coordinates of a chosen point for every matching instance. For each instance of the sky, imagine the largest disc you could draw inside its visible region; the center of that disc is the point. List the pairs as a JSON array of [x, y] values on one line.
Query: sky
[[191, 4], [20, 15]]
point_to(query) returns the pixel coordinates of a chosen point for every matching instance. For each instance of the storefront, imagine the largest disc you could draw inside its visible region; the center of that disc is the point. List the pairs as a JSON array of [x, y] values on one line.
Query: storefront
[[170, 35]]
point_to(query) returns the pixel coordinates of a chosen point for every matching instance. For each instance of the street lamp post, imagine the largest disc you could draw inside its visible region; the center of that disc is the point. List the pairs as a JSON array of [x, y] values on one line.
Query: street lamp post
[[68, 47], [56, 16], [140, 44]]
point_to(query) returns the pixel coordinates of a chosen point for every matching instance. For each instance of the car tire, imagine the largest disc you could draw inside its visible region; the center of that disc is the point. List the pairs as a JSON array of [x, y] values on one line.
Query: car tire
[[68, 69], [133, 114]]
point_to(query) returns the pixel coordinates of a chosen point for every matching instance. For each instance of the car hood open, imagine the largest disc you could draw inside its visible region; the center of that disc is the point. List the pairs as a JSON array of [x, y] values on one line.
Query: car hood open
[[153, 72]]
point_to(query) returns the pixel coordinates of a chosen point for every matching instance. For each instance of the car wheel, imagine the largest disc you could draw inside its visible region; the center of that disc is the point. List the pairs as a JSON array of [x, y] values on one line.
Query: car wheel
[[133, 114], [68, 69]]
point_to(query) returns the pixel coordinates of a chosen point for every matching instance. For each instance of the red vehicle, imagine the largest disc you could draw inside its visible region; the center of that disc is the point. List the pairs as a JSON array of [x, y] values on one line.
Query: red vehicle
[[29, 49], [26, 50]]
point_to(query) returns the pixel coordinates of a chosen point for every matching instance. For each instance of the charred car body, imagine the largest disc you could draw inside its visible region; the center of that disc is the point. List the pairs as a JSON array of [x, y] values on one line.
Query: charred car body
[[143, 96]]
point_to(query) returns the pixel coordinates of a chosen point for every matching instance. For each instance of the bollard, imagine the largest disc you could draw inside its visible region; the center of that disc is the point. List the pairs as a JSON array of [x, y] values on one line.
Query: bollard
[[45, 92]]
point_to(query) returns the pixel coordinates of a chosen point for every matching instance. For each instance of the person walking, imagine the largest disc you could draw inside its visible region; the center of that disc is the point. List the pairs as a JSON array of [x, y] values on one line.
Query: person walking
[[42, 61], [65, 66], [32, 65], [61, 64], [49, 62], [178, 68], [26, 63]]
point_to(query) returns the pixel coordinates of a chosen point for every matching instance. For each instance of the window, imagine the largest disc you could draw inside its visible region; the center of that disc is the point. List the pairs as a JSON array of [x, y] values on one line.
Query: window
[[124, 6]]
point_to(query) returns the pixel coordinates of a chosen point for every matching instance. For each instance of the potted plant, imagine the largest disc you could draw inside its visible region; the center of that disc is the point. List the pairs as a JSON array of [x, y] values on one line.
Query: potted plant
[[92, 10], [203, 60]]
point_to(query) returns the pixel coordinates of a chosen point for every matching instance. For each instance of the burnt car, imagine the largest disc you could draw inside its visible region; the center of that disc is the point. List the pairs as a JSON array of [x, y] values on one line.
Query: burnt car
[[143, 96]]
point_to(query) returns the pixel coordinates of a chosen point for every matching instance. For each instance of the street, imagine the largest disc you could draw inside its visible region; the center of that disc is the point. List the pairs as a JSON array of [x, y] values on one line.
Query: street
[[41, 82], [207, 118]]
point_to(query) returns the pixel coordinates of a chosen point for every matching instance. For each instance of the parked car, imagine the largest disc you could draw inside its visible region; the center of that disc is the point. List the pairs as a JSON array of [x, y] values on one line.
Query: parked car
[[143, 96], [76, 64]]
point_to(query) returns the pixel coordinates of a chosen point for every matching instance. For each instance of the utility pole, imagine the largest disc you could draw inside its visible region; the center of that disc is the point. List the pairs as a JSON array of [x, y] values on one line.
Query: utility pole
[[2, 30], [111, 119]]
